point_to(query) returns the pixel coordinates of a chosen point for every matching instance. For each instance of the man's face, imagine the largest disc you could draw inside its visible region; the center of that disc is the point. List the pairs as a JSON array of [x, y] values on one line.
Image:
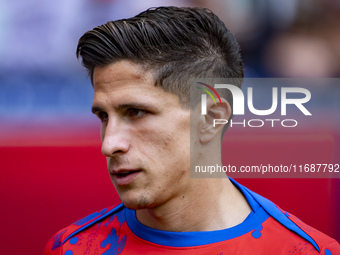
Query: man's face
[[145, 135]]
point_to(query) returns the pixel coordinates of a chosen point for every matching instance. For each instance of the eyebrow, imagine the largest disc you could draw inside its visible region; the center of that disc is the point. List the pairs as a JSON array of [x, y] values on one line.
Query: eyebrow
[[95, 109]]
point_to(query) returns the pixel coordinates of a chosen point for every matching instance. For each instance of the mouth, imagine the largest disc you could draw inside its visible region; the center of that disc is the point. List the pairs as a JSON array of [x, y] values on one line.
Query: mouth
[[124, 177]]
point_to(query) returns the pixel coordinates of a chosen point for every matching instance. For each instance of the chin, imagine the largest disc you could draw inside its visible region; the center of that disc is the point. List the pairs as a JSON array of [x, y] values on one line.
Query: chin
[[136, 202]]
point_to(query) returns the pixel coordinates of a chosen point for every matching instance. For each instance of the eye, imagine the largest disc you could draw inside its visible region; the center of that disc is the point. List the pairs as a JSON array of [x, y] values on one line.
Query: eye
[[103, 116], [135, 112]]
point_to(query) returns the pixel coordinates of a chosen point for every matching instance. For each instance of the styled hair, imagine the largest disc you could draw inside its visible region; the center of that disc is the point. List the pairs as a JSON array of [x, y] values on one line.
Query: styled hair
[[175, 44]]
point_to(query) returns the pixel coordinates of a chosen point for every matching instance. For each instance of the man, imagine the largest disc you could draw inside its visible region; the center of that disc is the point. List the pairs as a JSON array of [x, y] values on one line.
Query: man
[[141, 70]]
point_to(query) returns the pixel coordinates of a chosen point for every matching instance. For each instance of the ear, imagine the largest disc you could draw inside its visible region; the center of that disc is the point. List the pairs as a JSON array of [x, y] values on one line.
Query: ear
[[211, 128]]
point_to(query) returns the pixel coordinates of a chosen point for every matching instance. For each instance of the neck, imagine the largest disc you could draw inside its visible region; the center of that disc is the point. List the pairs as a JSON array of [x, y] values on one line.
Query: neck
[[211, 204]]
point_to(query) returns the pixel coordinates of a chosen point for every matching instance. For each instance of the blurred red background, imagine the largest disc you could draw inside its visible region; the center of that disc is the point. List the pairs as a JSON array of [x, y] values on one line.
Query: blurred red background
[[52, 169], [52, 179]]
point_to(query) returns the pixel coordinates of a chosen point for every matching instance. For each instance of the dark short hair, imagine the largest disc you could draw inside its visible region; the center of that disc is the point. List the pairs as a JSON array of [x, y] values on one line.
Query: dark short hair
[[176, 44]]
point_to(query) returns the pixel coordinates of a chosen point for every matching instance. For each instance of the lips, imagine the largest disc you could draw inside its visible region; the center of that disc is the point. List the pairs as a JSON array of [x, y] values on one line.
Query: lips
[[123, 177]]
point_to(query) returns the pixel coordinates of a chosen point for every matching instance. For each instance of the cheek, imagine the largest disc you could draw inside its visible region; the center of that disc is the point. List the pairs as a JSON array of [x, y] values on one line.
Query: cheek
[[152, 141], [102, 132], [163, 143], [108, 159], [176, 154]]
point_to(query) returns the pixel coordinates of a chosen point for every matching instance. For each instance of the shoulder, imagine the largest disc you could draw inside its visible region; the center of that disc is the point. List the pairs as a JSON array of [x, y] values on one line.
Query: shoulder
[[326, 244], [56, 242], [290, 232], [293, 236]]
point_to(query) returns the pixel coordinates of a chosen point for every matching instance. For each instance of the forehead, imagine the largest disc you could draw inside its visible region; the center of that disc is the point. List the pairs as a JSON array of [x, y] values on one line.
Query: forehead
[[124, 81], [121, 71]]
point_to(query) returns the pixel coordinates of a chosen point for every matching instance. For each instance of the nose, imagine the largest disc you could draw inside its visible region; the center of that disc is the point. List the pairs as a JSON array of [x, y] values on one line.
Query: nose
[[114, 139]]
